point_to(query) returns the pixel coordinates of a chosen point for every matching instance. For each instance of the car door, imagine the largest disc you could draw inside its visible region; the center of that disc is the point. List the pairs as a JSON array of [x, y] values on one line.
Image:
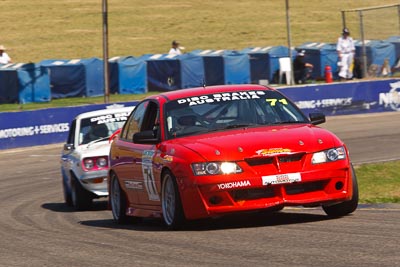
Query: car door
[[149, 196], [124, 155]]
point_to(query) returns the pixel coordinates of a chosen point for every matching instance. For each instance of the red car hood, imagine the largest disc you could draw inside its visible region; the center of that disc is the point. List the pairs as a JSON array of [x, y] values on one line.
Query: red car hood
[[262, 141]]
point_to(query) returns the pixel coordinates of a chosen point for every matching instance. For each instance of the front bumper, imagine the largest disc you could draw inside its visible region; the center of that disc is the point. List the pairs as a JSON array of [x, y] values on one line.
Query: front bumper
[[95, 182], [317, 187]]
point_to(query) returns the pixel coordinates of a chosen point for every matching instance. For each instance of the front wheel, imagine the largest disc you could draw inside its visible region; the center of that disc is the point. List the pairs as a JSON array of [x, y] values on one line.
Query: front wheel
[[67, 193], [81, 199], [346, 207], [171, 202]]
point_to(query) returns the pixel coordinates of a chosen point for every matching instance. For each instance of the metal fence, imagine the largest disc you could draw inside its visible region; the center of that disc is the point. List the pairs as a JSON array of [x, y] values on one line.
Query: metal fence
[[372, 23]]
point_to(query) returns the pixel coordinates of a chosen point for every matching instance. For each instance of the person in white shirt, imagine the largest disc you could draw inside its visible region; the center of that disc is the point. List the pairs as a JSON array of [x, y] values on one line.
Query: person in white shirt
[[345, 48], [175, 49], [4, 58]]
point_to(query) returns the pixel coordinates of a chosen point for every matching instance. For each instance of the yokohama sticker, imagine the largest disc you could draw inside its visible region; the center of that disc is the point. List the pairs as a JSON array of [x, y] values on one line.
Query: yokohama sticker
[[234, 185], [281, 178]]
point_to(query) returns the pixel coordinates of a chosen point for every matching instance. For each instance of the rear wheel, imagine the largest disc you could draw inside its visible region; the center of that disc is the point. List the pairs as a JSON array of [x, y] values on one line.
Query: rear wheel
[[171, 202], [346, 207], [81, 198], [118, 201]]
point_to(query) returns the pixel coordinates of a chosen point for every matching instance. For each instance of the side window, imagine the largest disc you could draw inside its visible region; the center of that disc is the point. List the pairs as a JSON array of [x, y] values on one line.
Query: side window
[[134, 123], [151, 118], [71, 134]]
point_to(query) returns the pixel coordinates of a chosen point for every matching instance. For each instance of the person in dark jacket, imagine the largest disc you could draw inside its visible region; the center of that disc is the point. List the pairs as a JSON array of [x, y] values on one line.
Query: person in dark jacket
[[302, 70]]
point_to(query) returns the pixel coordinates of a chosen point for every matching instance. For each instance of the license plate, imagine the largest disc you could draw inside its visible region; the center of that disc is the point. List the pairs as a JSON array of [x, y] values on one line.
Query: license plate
[[281, 178]]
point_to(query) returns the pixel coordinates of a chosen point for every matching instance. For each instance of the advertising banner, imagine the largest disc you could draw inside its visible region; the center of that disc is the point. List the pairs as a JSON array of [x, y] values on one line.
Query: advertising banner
[[348, 97], [41, 127], [47, 126]]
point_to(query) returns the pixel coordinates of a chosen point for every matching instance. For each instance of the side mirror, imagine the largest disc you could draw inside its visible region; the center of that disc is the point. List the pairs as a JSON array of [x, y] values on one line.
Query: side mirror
[[68, 147], [317, 118], [145, 137]]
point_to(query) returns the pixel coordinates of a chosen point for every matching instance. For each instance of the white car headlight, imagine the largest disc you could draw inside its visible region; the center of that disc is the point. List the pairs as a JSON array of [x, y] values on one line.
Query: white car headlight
[[213, 168], [102, 162], [329, 155], [88, 163], [95, 163]]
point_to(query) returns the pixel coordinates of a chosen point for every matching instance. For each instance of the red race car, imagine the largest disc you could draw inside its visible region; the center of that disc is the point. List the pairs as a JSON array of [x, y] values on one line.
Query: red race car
[[205, 152]]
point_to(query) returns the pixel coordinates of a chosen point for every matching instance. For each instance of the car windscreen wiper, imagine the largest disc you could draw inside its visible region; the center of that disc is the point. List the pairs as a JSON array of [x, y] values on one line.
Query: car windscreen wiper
[[240, 125], [288, 122], [98, 140]]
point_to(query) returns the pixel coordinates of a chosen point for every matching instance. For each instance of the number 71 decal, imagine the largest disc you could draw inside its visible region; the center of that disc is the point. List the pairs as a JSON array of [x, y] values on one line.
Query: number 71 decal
[[273, 101]]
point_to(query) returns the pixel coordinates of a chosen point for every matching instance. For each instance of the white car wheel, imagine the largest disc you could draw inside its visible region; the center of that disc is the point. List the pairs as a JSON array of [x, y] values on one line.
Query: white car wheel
[[118, 201]]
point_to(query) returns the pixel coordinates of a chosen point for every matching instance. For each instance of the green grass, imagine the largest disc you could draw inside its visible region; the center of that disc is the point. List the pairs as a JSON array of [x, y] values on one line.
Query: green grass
[[379, 183], [54, 29]]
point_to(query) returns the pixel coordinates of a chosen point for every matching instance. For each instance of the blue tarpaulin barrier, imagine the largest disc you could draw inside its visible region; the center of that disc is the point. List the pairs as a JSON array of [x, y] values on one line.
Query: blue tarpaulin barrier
[[320, 55], [163, 73], [395, 40], [377, 52], [213, 63], [264, 62], [76, 77], [192, 70], [128, 75], [236, 67], [24, 83], [8, 85]]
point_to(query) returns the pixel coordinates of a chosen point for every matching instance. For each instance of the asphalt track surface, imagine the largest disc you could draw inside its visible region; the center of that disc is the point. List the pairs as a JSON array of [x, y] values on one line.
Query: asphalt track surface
[[37, 229]]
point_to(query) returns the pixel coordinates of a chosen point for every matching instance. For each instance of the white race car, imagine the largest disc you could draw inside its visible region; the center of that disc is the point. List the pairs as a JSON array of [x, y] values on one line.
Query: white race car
[[84, 159]]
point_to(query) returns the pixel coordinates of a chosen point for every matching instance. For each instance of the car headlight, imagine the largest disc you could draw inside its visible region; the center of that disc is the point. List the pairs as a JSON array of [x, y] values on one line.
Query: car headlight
[[329, 155], [213, 168], [95, 163], [88, 163], [101, 162]]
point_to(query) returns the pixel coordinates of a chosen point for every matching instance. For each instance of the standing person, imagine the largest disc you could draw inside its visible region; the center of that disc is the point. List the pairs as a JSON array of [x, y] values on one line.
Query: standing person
[[4, 58], [302, 70], [175, 49], [345, 48]]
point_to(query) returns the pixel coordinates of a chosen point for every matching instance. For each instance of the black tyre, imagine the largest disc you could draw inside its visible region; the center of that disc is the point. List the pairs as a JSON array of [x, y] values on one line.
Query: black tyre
[[67, 194], [171, 202], [117, 201], [346, 207], [81, 198]]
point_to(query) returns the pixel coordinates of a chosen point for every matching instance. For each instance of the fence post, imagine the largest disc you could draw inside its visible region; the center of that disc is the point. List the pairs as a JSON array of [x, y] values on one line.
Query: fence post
[[364, 49]]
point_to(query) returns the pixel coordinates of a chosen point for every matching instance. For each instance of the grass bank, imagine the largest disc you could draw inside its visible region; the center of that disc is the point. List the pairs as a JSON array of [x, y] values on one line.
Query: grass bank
[[379, 183], [54, 29]]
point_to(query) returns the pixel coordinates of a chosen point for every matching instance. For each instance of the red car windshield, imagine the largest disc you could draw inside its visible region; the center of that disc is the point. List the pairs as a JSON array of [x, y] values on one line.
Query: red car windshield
[[206, 113]]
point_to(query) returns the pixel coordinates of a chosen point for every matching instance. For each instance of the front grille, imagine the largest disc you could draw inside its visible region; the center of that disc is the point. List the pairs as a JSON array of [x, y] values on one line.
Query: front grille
[[291, 158], [294, 189], [269, 160], [259, 161], [249, 194]]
